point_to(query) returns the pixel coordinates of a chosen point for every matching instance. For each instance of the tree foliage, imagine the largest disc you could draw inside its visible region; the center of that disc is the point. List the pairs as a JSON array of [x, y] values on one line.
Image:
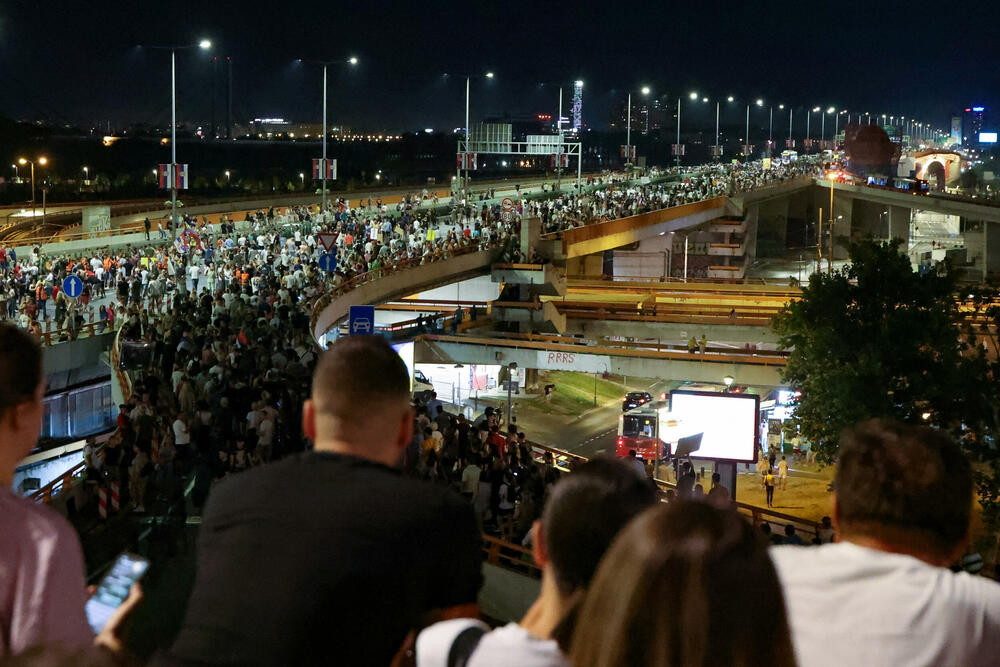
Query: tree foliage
[[876, 339]]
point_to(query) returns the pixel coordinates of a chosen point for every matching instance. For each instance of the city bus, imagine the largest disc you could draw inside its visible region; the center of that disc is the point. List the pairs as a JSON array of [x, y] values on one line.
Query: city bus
[[648, 429]]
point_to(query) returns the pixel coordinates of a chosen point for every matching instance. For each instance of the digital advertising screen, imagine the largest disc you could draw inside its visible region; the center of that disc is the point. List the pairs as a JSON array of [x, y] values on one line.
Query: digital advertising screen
[[727, 423], [987, 137]]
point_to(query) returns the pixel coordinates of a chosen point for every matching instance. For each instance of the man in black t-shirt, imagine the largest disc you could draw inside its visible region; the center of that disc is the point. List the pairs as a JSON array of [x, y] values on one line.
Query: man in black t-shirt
[[332, 556]]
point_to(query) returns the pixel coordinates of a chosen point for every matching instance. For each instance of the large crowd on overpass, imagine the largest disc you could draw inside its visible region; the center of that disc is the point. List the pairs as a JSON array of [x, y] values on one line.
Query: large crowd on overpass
[[371, 239], [681, 186]]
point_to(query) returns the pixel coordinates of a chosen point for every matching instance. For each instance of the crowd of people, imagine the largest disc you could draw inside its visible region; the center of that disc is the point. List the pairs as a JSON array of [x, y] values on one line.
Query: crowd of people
[[332, 554], [371, 236], [342, 521], [618, 198]]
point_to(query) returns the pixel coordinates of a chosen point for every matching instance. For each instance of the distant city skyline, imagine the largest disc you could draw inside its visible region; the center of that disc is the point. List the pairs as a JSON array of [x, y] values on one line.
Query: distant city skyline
[[74, 64]]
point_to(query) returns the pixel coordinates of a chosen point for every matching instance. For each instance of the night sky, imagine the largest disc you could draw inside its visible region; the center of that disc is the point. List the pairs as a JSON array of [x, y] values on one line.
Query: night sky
[[77, 61]]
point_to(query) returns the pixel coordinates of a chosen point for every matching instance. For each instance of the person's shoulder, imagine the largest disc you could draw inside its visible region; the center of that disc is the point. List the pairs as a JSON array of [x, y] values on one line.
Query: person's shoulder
[[513, 645], [26, 522]]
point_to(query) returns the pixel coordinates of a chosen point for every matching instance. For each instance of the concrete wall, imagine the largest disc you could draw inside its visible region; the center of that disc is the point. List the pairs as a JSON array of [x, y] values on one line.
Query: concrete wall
[[75, 354], [403, 283], [667, 332], [480, 288], [698, 369], [506, 595]]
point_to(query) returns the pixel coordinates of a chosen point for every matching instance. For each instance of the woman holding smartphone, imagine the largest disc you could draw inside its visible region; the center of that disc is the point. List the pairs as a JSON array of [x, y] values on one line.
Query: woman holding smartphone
[[42, 592]]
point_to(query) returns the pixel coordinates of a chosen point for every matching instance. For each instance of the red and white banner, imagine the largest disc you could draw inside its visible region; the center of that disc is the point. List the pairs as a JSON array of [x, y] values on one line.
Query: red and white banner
[[716, 151], [628, 152], [466, 161], [331, 169], [789, 143], [173, 176], [747, 149], [677, 149], [560, 160]]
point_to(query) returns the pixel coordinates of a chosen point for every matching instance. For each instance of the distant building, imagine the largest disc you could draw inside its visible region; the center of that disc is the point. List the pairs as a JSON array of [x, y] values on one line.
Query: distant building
[[972, 123], [648, 116]]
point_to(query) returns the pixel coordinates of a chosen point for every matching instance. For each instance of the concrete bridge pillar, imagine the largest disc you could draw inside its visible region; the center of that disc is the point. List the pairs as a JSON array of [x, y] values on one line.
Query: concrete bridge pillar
[[842, 217], [899, 225], [991, 250], [531, 233]]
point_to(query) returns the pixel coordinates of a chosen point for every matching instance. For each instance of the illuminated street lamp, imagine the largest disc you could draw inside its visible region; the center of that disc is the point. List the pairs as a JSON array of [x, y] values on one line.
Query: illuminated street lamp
[[42, 161], [760, 103], [352, 61], [677, 151], [86, 173], [628, 124], [228, 179], [204, 45]]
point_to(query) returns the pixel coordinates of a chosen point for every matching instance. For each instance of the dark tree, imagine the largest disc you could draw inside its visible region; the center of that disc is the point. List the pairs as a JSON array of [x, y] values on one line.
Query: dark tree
[[877, 339]]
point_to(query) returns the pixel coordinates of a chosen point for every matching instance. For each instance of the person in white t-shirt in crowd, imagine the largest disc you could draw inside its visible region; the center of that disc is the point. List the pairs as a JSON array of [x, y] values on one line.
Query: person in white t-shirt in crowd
[[883, 594], [586, 511]]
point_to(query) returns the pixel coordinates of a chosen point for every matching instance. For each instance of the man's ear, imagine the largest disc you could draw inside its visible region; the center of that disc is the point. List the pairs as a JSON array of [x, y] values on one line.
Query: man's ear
[[538, 549], [309, 420], [405, 429]]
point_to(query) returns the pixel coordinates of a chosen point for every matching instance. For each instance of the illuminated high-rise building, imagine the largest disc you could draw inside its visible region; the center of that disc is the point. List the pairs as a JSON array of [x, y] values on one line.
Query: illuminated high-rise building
[[577, 106]]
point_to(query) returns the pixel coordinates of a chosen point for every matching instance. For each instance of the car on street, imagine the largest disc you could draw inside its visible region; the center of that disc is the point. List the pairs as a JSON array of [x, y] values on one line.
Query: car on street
[[634, 399]]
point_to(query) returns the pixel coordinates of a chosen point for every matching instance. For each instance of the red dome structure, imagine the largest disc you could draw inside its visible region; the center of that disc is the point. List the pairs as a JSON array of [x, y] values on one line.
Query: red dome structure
[[870, 150]]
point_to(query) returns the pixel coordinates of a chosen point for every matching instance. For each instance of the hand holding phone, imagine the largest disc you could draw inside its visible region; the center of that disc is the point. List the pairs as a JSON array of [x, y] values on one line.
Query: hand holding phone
[[114, 590]]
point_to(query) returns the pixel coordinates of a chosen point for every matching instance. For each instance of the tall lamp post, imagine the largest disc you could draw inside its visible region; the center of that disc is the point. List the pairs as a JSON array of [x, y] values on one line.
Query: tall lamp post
[[42, 161], [790, 144], [760, 103], [352, 61], [628, 124], [677, 146], [718, 153], [203, 44], [468, 132]]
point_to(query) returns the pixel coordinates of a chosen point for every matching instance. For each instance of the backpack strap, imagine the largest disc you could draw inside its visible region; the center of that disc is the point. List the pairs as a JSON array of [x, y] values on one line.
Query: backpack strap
[[449, 643], [464, 646]]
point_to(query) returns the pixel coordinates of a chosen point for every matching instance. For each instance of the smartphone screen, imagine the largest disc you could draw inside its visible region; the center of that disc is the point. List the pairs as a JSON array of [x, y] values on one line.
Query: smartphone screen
[[114, 588]]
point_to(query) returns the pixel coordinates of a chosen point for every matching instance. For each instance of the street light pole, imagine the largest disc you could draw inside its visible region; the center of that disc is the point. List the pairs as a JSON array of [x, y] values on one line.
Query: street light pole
[[746, 138], [559, 150], [677, 155], [173, 142], [628, 129], [465, 157], [322, 210], [770, 129], [717, 127], [32, 188]]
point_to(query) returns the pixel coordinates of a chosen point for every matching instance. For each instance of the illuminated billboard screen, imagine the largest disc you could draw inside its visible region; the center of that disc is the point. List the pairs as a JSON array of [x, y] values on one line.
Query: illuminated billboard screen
[[727, 423], [987, 137]]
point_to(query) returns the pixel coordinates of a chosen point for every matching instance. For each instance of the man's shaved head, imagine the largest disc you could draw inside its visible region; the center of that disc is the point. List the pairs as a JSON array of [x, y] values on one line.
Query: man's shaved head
[[360, 391]]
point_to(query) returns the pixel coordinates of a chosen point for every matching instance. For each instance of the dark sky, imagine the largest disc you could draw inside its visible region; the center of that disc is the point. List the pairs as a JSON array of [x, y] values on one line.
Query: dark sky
[[77, 60]]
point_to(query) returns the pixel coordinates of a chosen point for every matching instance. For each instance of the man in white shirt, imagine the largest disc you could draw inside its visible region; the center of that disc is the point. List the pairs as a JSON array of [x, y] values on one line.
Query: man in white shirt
[[883, 595], [586, 511]]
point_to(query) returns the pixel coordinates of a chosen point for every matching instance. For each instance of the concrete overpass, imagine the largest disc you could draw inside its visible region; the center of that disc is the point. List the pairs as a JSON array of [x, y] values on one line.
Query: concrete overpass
[[620, 359]]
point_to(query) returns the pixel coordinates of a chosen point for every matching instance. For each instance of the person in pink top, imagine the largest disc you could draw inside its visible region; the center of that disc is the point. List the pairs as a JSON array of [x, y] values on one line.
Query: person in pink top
[[42, 587]]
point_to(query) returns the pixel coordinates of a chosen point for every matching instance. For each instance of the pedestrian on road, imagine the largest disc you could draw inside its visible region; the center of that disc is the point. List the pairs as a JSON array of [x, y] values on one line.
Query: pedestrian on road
[[769, 487]]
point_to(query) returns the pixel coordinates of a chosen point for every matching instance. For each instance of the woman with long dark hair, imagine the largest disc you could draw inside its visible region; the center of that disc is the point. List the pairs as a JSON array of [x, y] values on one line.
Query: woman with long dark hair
[[684, 585]]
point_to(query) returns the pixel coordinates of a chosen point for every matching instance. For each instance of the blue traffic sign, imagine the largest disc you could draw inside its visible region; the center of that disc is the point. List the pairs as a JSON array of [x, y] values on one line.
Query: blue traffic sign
[[328, 262], [361, 320], [72, 286]]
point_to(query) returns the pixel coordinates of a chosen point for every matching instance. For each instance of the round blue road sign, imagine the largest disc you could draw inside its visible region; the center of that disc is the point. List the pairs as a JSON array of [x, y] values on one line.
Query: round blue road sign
[[328, 262], [73, 286]]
